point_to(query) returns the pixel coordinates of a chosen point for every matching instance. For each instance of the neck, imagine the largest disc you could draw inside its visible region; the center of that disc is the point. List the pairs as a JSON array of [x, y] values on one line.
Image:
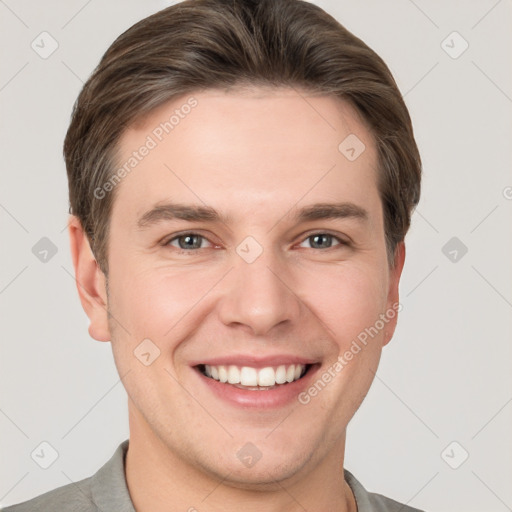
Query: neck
[[159, 480]]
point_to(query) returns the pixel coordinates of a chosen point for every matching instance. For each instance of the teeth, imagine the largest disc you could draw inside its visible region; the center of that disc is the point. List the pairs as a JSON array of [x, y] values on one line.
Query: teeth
[[281, 374], [249, 376], [223, 374], [290, 373], [233, 375], [266, 377], [252, 377]]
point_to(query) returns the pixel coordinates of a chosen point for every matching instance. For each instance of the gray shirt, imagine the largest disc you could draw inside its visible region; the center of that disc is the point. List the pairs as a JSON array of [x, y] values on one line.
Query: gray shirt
[[106, 491]]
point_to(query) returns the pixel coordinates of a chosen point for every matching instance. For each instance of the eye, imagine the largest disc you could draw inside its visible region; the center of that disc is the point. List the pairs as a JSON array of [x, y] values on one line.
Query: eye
[[188, 241], [322, 241]]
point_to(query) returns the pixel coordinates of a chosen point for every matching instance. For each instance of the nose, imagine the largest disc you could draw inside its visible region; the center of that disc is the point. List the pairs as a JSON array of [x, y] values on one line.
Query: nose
[[259, 296]]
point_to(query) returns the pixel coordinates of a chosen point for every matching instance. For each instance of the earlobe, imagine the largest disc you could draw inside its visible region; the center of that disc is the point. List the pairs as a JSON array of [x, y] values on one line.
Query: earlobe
[[90, 281], [393, 301]]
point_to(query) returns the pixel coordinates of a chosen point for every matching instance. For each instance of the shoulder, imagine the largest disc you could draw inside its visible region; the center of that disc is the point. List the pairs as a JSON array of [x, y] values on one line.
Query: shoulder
[[372, 502], [105, 490], [74, 497], [381, 503]]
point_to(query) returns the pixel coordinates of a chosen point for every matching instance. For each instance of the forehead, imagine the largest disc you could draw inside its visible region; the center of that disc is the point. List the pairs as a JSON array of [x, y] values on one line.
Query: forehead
[[248, 148]]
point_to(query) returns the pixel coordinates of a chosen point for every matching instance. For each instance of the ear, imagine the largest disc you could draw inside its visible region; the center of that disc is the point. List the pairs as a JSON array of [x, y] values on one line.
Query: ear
[[393, 300], [90, 281]]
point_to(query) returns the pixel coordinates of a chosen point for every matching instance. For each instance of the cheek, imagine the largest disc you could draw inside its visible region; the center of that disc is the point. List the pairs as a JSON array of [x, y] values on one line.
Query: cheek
[[155, 303], [347, 299]]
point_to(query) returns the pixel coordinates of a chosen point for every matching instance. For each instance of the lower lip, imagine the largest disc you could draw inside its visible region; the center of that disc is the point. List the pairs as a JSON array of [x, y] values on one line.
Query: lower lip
[[278, 396]]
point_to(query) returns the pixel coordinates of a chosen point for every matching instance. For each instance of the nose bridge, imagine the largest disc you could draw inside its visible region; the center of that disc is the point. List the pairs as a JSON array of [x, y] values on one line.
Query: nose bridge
[[257, 295]]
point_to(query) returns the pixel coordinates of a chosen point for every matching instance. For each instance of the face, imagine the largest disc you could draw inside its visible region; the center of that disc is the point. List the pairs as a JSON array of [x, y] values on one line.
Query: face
[[247, 245]]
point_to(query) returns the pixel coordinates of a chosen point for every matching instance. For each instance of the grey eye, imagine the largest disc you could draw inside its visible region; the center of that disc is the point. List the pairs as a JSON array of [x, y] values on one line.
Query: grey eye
[[188, 241], [320, 241]]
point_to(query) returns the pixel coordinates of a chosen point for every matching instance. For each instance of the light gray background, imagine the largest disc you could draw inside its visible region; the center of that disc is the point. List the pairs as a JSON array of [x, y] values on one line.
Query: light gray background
[[445, 377]]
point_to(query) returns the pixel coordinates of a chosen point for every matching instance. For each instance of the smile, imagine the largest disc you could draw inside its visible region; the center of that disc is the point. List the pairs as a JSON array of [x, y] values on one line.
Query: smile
[[255, 382], [256, 379]]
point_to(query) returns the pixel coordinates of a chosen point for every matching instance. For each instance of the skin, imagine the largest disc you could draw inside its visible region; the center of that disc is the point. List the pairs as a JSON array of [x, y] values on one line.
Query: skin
[[256, 156]]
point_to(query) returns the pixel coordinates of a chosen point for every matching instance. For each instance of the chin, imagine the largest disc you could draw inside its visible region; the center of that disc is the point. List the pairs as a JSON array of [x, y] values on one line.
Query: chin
[[266, 473], [266, 477]]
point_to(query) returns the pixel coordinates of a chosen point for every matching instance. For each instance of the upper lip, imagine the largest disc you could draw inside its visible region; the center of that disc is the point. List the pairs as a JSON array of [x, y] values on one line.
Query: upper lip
[[254, 361]]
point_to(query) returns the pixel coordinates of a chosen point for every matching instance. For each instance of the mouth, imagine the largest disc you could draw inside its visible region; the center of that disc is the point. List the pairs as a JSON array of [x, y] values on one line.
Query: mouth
[[257, 387], [255, 379]]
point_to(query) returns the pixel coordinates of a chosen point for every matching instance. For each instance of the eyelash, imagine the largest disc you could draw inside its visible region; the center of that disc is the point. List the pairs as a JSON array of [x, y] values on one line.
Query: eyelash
[[341, 242]]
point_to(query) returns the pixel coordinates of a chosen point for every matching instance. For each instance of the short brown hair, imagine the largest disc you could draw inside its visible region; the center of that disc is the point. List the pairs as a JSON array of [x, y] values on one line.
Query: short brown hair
[[205, 44]]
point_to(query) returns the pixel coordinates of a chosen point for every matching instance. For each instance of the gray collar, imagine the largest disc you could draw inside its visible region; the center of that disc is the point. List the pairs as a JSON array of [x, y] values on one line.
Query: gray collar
[[108, 484]]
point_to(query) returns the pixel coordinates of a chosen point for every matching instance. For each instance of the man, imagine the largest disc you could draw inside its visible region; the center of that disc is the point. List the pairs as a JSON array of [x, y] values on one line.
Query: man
[[241, 176]]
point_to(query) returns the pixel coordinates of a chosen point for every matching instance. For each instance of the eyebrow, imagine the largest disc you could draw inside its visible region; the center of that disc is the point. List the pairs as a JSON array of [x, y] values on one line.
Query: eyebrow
[[194, 213], [332, 211], [170, 211]]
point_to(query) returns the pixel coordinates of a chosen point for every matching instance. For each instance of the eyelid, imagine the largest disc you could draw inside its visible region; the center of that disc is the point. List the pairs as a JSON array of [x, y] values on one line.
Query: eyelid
[[167, 240], [342, 241], [303, 237]]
